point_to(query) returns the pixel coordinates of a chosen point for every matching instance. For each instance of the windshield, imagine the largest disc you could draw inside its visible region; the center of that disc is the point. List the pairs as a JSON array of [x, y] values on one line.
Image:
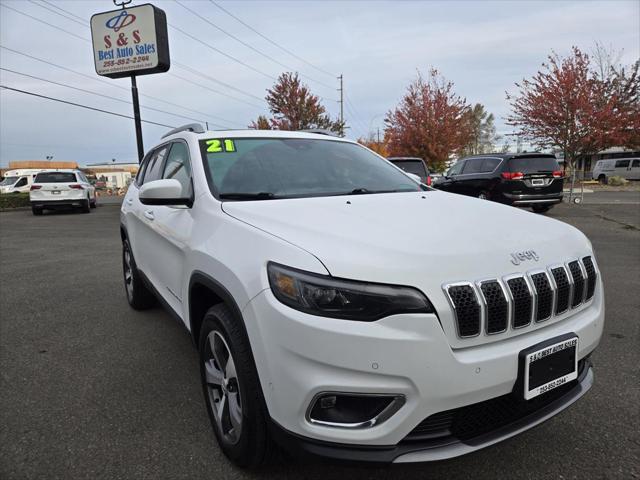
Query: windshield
[[412, 166], [55, 177], [533, 165], [8, 181], [265, 168]]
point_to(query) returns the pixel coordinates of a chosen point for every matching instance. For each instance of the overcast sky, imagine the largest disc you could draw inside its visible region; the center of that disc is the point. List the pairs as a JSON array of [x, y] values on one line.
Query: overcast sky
[[483, 47]]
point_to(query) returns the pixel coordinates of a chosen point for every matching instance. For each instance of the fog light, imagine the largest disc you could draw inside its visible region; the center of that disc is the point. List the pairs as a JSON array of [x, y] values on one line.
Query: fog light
[[353, 410]]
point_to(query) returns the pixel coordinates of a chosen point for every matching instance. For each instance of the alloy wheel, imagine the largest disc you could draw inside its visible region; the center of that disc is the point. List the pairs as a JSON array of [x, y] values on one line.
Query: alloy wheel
[[128, 273], [222, 387]]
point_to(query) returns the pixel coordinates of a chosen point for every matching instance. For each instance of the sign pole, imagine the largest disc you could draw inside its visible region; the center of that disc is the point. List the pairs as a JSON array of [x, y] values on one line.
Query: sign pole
[[136, 116]]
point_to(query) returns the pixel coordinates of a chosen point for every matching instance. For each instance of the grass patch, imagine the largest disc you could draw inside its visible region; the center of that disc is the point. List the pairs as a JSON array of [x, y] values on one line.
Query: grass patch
[[13, 200]]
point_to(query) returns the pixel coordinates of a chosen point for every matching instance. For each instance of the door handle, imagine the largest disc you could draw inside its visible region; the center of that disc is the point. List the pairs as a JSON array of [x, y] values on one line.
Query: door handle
[[149, 214], [129, 201]]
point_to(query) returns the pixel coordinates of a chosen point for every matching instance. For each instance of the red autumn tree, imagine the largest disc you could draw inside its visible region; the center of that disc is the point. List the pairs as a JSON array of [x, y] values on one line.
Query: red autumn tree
[[294, 107], [374, 144], [431, 122], [565, 106]]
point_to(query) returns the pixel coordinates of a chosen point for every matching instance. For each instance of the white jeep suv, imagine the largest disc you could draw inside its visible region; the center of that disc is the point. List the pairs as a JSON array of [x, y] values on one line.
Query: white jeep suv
[[343, 310]]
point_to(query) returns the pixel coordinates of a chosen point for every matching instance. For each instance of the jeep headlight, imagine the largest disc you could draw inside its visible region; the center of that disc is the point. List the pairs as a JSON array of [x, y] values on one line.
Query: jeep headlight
[[347, 299]]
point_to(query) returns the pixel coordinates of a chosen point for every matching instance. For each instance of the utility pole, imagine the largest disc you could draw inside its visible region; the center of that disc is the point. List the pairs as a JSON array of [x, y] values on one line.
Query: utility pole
[[136, 116], [341, 90]]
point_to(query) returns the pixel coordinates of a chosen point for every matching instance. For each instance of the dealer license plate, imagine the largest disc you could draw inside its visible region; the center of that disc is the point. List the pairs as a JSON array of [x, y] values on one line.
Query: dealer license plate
[[537, 182], [55, 192], [550, 367]]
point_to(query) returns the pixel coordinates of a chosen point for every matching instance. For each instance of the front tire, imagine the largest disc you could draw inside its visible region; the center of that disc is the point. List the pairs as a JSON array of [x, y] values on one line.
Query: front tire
[[138, 295], [483, 195], [232, 390], [602, 179]]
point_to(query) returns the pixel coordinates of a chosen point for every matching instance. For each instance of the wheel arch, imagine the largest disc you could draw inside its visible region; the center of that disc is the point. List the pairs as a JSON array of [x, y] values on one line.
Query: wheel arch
[[204, 293]]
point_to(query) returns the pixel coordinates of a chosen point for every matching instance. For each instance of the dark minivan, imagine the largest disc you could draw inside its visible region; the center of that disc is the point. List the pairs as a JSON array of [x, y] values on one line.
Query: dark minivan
[[413, 165], [521, 179]]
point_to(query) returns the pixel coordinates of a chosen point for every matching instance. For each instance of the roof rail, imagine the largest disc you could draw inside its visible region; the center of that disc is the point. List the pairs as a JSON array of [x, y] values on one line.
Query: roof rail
[[191, 127], [320, 131]]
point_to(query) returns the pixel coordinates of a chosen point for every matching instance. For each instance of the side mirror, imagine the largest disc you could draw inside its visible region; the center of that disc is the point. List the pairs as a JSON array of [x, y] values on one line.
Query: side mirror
[[163, 192]]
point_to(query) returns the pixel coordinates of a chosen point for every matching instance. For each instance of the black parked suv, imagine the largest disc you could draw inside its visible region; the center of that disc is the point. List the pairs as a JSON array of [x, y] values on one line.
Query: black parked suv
[[522, 179], [414, 165]]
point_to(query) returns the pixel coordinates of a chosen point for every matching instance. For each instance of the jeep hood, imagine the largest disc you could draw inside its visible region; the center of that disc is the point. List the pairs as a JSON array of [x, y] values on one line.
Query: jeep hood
[[407, 238]]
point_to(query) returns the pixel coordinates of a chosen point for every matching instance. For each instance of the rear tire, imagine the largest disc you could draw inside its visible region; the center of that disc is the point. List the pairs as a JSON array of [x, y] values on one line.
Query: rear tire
[[93, 204], [541, 209], [86, 206], [245, 438], [483, 195], [138, 295], [37, 210]]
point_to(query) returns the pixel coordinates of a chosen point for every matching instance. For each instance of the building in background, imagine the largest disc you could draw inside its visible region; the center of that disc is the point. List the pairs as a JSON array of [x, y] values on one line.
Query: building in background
[[41, 164]]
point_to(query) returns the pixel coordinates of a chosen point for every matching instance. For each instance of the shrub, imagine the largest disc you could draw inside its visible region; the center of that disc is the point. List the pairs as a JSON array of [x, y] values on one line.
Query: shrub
[[617, 181], [13, 200]]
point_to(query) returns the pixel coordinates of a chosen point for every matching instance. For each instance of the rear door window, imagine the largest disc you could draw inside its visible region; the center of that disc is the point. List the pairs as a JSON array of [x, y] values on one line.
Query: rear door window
[[635, 164], [489, 165], [472, 165], [622, 164], [56, 177], [533, 164]]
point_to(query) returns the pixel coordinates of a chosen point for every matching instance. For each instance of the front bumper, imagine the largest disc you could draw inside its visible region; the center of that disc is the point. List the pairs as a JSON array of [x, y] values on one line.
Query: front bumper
[[433, 450], [531, 200], [299, 356]]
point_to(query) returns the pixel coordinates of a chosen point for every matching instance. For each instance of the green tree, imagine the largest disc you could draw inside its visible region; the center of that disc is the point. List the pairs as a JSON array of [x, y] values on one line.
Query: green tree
[[483, 131], [294, 107]]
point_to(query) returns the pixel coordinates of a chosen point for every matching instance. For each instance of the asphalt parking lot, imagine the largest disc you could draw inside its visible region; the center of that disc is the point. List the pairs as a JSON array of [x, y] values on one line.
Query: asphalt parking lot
[[90, 388]]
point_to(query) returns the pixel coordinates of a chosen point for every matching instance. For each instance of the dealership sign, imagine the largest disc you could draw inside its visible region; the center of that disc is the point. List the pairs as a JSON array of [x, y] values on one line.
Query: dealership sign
[[130, 41]]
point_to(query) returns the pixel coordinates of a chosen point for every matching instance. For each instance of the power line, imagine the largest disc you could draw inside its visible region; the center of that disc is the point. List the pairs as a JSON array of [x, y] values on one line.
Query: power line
[[65, 11], [209, 88], [249, 46], [111, 84], [211, 47], [203, 75], [58, 13], [81, 105], [148, 96], [271, 41], [46, 23], [105, 96]]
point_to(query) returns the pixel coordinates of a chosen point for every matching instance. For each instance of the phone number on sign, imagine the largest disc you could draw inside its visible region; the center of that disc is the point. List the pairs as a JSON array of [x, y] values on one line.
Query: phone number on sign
[[125, 61]]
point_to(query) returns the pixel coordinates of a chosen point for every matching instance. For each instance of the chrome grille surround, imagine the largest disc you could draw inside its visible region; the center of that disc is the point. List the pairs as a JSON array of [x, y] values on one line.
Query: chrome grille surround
[[528, 280]]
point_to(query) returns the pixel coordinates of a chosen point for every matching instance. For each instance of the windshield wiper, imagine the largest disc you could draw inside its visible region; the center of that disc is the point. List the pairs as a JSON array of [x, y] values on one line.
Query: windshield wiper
[[364, 191], [247, 196]]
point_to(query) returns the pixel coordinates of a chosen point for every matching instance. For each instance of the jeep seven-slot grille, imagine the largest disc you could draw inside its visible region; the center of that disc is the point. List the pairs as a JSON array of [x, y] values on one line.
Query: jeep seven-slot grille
[[544, 292], [578, 283], [497, 306], [522, 301], [513, 301], [563, 289], [591, 277], [467, 309]]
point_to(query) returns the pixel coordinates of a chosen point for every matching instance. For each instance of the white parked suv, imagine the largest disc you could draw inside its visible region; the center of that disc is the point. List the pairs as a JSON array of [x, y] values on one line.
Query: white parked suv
[[330, 322], [61, 188]]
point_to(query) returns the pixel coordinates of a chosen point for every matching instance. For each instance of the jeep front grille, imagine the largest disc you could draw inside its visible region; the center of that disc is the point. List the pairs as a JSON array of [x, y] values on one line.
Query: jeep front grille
[[497, 307], [592, 276], [466, 309], [544, 296], [522, 301], [578, 283], [493, 306], [563, 289]]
